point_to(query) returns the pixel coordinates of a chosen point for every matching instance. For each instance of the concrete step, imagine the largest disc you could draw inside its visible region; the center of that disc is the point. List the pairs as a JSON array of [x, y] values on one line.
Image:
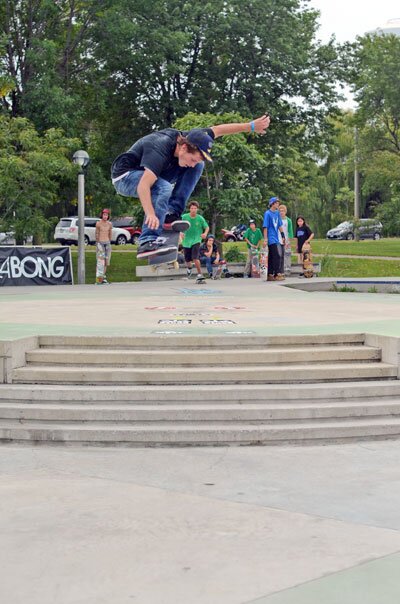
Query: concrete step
[[209, 357], [206, 375], [210, 411], [205, 434], [193, 342], [223, 393]]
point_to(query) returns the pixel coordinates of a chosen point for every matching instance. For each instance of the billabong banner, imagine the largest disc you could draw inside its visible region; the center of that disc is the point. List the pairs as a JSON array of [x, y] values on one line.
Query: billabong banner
[[35, 266]]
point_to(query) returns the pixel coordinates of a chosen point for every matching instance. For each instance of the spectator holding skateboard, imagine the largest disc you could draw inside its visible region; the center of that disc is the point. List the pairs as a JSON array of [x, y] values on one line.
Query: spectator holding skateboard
[[274, 237], [286, 260], [195, 234], [303, 236], [162, 170], [103, 245], [254, 239]]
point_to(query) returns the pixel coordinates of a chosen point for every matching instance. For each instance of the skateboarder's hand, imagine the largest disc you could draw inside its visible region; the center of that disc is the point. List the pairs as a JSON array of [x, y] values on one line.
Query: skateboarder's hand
[[261, 124], [152, 221]]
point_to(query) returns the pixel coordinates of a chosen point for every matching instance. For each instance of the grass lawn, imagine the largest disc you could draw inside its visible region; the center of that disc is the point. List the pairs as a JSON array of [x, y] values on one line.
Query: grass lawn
[[359, 267], [383, 247], [124, 261], [122, 267]]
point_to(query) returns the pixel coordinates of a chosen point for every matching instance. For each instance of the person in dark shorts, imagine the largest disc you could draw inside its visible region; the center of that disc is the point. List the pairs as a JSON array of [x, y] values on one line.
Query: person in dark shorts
[[162, 170], [195, 234]]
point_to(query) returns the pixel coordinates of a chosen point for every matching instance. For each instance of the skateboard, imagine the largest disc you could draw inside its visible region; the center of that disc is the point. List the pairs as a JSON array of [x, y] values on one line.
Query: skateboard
[[200, 280], [171, 237], [217, 270], [100, 265], [264, 262], [255, 263], [308, 268]]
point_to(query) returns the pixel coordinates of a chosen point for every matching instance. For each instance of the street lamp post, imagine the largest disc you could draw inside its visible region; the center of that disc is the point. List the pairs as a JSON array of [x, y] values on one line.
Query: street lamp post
[[81, 158]]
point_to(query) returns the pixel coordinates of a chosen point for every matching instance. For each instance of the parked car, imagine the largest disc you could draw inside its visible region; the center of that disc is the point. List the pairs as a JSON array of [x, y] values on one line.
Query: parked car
[[127, 223], [369, 229], [66, 232], [234, 234]]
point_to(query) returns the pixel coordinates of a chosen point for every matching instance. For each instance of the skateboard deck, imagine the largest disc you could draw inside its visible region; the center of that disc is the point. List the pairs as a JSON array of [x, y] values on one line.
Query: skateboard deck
[[171, 237], [308, 268], [255, 264], [217, 270], [264, 262], [100, 265]]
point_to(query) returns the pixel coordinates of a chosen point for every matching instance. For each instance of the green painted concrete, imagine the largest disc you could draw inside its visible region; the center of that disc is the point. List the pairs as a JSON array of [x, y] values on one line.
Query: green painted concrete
[[125, 309], [375, 582]]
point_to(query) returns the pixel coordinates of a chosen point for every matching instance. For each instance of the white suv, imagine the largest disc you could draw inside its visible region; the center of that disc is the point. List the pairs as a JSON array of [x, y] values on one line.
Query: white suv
[[66, 232]]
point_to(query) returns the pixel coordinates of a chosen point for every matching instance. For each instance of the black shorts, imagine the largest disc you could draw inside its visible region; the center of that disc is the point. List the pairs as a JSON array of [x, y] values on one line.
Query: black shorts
[[192, 253]]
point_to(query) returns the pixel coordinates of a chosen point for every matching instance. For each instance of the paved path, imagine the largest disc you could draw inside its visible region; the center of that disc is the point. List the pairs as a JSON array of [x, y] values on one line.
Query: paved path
[[246, 525]]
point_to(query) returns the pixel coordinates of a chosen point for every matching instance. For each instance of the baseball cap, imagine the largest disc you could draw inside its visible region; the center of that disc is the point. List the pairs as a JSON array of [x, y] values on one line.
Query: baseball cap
[[251, 221], [203, 141], [273, 200], [211, 236], [105, 211]]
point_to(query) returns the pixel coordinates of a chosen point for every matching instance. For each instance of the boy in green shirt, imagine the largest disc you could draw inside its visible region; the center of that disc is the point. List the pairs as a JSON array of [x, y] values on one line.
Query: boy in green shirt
[[195, 234], [254, 239]]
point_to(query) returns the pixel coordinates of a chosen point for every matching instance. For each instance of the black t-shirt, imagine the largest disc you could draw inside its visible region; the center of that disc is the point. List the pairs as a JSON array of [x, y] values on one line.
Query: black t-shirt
[[155, 152], [302, 234], [204, 249]]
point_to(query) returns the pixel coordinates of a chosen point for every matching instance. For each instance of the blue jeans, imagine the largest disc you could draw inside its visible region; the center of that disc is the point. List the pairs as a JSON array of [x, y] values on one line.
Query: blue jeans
[[208, 262], [168, 196]]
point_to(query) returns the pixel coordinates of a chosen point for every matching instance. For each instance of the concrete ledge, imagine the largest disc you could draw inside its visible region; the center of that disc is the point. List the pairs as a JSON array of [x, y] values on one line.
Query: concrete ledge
[[12, 355], [390, 347], [163, 272]]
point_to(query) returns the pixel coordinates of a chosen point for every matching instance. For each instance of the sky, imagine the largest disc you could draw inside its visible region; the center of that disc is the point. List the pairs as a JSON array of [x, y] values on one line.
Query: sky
[[350, 18]]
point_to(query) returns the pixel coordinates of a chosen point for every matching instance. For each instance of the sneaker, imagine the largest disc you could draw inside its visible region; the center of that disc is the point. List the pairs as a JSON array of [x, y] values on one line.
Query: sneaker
[[188, 273], [200, 279], [210, 276], [157, 246], [270, 278], [279, 277], [170, 218], [106, 281]]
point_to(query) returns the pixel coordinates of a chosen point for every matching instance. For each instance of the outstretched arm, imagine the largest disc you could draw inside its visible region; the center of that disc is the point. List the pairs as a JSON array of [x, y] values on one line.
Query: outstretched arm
[[260, 126]]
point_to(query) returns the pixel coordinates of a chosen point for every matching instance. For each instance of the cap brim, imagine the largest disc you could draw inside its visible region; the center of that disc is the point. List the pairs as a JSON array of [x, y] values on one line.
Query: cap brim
[[206, 155]]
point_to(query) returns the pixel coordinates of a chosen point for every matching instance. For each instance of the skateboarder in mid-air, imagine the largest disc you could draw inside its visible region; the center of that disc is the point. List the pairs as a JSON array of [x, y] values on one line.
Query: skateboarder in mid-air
[[162, 169]]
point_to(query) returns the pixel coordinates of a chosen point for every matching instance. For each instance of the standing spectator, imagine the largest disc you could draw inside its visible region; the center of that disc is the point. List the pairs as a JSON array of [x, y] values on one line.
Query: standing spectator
[[272, 227], [196, 233], [254, 239], [303, 235], [103, 241], [286, 260]]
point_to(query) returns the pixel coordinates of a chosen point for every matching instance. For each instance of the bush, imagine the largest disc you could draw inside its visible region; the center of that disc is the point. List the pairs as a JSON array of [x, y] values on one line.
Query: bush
[[234, 255]]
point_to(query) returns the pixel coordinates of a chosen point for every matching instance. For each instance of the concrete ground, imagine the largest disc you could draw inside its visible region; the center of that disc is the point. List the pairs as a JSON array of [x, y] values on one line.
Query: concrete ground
[[219, 307], [251, 525], [245, 525]]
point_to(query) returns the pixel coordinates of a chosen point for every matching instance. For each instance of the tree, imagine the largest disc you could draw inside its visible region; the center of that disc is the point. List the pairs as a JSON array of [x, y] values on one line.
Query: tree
[[33, 170], [228, 186]]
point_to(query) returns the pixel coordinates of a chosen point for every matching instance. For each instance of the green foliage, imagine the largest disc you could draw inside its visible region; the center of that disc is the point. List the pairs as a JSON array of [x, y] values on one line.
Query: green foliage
[[228, 185], [389, 214], [32, 169], [234, 254]]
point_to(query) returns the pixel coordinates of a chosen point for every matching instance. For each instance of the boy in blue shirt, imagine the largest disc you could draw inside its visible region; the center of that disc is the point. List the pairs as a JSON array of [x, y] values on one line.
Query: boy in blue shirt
[[272, 226]]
